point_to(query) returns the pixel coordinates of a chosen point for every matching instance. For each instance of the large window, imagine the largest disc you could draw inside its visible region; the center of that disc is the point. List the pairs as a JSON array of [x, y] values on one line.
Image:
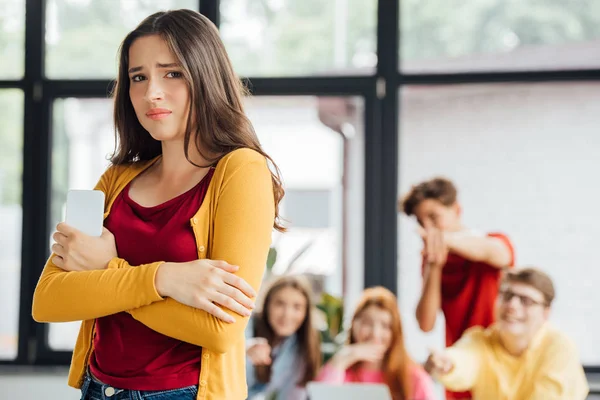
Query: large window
[[355, 100], [11, 161], [524, 159]]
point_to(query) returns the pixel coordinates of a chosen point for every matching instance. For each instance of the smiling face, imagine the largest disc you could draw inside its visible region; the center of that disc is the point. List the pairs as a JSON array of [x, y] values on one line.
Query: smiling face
[[158, 91], [521, 309], [287, 310], [373, 325]]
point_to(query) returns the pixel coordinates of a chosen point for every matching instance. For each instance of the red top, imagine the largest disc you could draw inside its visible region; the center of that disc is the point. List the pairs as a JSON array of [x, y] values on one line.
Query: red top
[[469, 291], [127, 354]]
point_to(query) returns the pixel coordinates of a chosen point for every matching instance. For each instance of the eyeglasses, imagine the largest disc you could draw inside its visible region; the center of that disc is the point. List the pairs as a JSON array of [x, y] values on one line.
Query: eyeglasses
[[507, 295]]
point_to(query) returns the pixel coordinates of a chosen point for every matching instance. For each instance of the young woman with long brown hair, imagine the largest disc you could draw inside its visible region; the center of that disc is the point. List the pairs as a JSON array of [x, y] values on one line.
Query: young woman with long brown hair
[[283, 353], [375, 352], [165, 293]]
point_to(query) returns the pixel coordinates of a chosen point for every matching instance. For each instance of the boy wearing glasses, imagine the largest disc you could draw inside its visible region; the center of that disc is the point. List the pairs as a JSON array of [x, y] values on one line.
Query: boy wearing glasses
[[520, 356], [461, 268]]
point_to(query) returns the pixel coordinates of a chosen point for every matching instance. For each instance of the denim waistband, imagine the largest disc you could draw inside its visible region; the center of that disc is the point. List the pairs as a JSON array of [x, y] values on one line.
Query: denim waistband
[[93, 384]]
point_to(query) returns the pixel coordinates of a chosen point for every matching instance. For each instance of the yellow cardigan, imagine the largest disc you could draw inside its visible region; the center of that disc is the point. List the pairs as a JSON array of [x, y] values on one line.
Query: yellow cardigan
[[234, 223]]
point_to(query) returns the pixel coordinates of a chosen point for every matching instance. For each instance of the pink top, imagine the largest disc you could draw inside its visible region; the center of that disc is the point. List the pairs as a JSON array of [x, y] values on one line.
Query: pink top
[[422, 384]]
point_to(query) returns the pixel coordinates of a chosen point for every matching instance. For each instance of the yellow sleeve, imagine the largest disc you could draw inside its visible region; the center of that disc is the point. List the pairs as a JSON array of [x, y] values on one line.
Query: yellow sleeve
[[559, 375], [242, 235], [466, 356], [62, 296]]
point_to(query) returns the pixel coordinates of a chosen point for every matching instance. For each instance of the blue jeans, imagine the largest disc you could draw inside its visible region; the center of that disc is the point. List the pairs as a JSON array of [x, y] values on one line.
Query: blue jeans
[[93, 389]]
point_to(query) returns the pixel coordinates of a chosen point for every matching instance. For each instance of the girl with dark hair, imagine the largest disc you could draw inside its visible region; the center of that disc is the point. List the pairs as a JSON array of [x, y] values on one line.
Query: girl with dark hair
[[284, 352], [165, 293]]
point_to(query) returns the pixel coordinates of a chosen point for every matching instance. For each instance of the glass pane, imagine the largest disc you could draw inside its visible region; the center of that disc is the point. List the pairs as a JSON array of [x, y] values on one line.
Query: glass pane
[[313, 204], [11, 212], [308, 37], [12, 38], [499, 35], [524, 159], [83, 36], [318, 243]]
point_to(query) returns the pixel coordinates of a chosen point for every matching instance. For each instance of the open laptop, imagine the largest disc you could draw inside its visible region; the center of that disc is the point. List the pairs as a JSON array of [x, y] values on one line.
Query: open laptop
[[347, 391]]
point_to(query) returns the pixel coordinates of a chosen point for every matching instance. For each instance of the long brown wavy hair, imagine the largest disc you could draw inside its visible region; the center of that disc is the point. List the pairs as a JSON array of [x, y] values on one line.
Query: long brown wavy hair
[[396, 362], [219, 125], [309, 342]]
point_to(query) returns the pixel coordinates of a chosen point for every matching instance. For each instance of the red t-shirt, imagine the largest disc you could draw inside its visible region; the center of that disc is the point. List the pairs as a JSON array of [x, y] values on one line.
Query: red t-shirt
[[127, 354], [469, 291]]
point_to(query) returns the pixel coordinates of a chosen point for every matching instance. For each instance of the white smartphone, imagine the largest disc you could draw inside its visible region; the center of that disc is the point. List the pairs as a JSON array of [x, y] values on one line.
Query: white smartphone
[[85, 211]]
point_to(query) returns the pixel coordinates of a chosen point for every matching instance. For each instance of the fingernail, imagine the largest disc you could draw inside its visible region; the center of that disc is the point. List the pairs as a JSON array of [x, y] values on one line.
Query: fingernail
[[247, 313], [252, 305], [231, 320]]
